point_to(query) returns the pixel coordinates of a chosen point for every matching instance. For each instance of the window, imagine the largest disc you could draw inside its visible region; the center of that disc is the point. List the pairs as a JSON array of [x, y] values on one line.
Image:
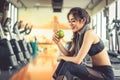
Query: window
[[118, 9], [103, 25], [12, 13]]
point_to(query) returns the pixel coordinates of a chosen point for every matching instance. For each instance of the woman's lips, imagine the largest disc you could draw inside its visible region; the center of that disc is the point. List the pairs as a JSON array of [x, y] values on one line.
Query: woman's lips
[[72, 27]]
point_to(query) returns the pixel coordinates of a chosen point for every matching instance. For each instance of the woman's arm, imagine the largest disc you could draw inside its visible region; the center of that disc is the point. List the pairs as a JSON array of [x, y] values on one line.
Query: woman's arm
[[57, 40], [62, 49], [88, 40], [69, 52]]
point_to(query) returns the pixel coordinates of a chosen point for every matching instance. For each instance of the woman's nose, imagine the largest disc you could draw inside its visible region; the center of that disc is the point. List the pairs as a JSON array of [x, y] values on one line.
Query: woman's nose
[[70, 23]]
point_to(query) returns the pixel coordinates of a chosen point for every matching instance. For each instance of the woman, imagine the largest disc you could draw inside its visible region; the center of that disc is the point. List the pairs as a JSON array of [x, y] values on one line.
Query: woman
[[85, 41]]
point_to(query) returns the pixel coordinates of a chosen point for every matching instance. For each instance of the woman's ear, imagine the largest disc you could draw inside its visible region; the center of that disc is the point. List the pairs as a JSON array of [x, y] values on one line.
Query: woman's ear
[[83, 20]]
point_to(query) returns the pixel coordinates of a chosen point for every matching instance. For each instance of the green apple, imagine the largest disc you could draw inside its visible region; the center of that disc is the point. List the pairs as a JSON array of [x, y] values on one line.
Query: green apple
[[60, 33]]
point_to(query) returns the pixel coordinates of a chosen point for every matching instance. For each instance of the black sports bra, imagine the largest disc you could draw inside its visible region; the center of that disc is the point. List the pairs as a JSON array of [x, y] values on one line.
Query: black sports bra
[[96, 48]]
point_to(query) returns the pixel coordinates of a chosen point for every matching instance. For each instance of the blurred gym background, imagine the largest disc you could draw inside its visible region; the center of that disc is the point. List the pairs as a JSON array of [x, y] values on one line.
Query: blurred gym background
[[34, 21]]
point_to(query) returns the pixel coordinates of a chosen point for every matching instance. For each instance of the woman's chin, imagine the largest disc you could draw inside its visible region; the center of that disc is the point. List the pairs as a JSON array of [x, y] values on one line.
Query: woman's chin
[[74, 30]]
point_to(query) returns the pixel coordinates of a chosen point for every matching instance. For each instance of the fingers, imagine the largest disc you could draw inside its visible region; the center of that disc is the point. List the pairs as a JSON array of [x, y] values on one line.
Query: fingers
[[58, 59], [55, 37]]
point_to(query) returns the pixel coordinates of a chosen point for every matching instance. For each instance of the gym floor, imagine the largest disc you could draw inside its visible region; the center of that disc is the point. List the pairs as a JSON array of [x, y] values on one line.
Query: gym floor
[[43, 66], [40, 68]]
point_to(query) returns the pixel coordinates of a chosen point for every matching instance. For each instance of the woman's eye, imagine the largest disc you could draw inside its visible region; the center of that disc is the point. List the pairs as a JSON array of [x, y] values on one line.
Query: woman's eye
[[73, 21]]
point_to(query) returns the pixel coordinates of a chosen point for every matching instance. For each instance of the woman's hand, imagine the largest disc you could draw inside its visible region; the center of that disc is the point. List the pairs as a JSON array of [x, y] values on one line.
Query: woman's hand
[[55, 37], [59, 58]]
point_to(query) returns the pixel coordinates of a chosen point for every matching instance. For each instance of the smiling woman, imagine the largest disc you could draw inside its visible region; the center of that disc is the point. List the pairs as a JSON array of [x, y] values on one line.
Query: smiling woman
[[44, 15], [85, 41]]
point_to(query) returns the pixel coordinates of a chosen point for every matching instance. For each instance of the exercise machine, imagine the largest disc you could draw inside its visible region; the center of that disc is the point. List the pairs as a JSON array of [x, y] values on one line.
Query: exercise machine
[[7, 57], [14, 43], [25, 31], [22, 43]]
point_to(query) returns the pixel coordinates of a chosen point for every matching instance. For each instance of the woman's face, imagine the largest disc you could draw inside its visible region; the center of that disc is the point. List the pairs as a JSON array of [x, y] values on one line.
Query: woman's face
[[76, 24]]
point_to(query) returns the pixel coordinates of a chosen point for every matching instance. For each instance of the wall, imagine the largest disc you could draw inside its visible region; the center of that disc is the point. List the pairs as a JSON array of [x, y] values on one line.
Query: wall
[[42, 17], [101, 6], [43, 21]]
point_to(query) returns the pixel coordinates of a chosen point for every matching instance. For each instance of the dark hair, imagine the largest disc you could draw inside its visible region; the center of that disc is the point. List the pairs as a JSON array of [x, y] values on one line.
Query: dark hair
[[78, 12]]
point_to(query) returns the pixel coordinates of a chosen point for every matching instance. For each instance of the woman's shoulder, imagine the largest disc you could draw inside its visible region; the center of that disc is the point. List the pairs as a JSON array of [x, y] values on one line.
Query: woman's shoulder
[[90, 33]]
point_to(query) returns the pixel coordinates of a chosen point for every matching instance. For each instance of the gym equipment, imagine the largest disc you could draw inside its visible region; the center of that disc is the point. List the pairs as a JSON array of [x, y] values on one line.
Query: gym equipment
[[111, 50], [114, 50], [14, 43], [117, 34], [27, 31], [119, 40], [34, 45], [22, 43], [117, 28], [29, 47], [7, 57], [114, 46], [68, 45]]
